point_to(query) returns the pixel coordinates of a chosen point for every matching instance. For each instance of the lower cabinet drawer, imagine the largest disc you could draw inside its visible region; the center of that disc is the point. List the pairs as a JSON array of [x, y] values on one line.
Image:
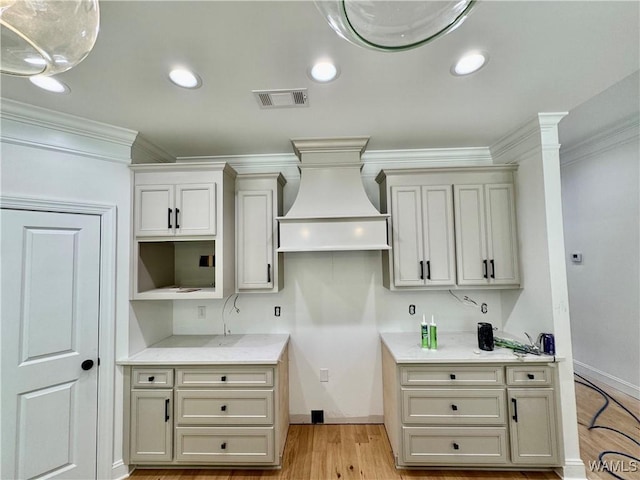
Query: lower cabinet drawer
[[454, 445], [224, 445], [222, 406], [425, 375], [224, 377], [453, 406]]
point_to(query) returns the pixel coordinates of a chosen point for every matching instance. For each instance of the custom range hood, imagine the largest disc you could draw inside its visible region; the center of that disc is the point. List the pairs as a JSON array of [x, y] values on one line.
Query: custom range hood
[[332, 211]]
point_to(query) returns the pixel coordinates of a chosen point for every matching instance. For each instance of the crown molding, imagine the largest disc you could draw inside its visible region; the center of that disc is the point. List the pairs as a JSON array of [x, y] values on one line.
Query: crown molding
[[143, 151], [620, 133], [541, 131], [37, 127]]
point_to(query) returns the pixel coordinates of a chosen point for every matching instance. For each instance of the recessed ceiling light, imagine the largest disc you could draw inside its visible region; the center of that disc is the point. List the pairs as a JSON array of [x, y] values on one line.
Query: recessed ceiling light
[[185, 78], [323, 71], [469, 63], [49, 84]]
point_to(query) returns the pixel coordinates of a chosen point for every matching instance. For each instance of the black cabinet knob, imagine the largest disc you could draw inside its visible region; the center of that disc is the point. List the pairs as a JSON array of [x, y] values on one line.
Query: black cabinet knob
[[530, 376], [223, 446], [454, 407], [152, 378], [456, 446], [223, 408], [223, 378], [87, 365], [452, 376]]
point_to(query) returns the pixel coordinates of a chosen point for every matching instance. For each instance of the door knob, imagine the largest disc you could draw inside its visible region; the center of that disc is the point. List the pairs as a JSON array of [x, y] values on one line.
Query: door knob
[[87, 365]]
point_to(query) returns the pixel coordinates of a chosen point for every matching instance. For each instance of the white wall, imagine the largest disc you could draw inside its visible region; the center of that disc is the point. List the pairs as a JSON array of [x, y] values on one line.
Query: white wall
[[601, 207]]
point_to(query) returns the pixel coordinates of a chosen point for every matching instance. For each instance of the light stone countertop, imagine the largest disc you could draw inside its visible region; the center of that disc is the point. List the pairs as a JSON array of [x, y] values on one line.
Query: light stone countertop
[[453, 347], [249, 349]]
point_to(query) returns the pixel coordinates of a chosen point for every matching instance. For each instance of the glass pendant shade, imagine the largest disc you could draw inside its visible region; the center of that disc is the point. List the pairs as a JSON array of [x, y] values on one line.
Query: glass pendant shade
[[45, 37], [393, 25]]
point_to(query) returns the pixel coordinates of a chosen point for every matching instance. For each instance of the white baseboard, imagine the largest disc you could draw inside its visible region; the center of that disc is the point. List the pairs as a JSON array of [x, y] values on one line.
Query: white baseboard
[[607, 379], [305, 418], [120, 471], [573, 469]]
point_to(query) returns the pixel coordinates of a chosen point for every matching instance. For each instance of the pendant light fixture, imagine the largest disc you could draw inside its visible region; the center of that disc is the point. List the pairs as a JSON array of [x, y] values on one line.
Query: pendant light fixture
[[393, 25], [45, 37]]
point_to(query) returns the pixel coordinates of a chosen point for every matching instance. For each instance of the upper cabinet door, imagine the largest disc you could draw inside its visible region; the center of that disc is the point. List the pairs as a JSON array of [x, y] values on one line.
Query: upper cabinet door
[[255, 267], [438, 234], [408, 244], [154, 213], [502, 240], [471, 247], [195, 209]]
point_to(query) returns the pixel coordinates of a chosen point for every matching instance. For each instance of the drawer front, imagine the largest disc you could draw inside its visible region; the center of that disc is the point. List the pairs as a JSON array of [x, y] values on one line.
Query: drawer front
[[152, 377], [224, 406], [224, 377], [454, 445], [530, 375], [453, 406], [453, 375], [224, 445]]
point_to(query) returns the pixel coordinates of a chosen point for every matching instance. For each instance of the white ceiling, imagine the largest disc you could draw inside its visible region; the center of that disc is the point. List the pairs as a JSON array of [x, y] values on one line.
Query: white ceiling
[[546, 56]]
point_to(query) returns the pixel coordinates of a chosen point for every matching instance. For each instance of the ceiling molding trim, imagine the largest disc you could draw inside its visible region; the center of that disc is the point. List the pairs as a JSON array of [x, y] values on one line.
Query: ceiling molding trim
[[287, 163], [143, 151], [377, 160], [27, 125], [621, 133], [542, 130]]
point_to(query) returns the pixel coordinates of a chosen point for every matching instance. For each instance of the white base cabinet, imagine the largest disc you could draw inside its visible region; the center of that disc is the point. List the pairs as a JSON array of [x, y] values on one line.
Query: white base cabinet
[[485, 415], [211, 415]]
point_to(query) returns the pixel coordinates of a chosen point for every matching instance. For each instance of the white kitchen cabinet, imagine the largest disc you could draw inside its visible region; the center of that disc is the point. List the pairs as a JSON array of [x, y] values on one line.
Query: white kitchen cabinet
[[450, 227], [181, 210], [534, 439], [151, 424], [423, 236], [259, 267], [465, 414], [486, 240], [184, 229]]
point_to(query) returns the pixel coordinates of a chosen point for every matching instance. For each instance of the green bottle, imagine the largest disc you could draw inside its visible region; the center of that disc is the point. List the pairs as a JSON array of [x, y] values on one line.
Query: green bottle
[[433, 335]]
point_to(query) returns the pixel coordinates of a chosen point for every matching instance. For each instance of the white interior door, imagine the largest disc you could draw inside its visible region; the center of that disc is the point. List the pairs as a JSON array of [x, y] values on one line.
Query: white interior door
[[50, 312]]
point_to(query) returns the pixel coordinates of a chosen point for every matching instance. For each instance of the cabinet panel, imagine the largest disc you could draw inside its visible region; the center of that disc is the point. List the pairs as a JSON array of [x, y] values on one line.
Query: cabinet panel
[[195, 209], [453, 406], [153, 212], [454, 445], [206, 407], [255, 267], [407, 236], [470, 234], [501, 234], [224, 376], [437, 211], [451, 375], [151, 426], [224, 445], [533, 426]]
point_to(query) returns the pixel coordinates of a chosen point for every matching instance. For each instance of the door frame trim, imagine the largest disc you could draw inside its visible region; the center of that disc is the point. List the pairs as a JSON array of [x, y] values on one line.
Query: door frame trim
[[107, 311]]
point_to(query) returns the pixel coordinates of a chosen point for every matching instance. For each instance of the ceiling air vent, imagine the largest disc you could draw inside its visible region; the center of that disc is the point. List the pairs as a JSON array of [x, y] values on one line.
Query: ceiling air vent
[[282, 98]]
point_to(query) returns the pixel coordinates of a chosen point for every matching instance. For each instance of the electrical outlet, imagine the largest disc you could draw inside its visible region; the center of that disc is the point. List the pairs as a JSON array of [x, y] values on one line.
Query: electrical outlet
[[412, 309], [202, 312], [277, 311], [324, 374]]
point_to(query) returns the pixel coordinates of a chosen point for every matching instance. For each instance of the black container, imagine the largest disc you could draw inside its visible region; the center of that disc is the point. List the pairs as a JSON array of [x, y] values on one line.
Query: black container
[[485, 336]]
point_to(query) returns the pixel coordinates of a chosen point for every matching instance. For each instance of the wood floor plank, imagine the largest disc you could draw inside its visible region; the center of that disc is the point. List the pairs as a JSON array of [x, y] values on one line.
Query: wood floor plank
[[363, 452]]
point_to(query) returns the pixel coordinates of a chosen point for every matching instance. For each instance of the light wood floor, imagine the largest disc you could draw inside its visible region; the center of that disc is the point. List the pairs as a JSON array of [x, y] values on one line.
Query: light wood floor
[[345, 452]]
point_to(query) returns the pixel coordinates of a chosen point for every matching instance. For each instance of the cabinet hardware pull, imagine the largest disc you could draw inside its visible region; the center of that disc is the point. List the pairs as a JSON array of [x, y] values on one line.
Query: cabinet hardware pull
[[151, 379], [428, 269], [268, 273], [493, 269], [515, 409], [223, 408], [166, 410], [456, 446], [454, 407], [452, 376], [530, 376], [421, 270], [169, 218], [224, 446], [177, 213], [223, 378], [484, 269]]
